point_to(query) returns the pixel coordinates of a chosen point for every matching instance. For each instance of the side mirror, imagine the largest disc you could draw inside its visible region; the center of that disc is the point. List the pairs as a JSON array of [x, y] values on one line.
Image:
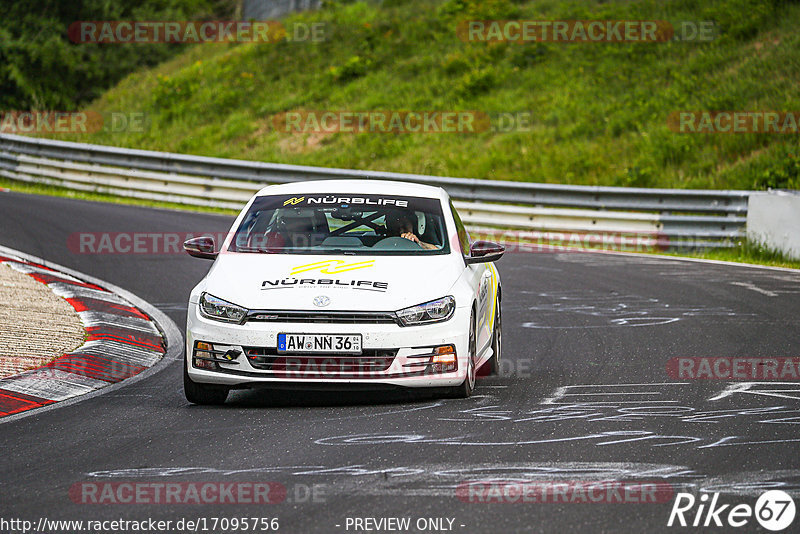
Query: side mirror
[[201, 247], [484, 252]]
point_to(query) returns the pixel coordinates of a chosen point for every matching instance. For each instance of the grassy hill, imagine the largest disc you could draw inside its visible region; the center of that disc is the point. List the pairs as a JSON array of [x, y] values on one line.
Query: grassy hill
[[599, 110]]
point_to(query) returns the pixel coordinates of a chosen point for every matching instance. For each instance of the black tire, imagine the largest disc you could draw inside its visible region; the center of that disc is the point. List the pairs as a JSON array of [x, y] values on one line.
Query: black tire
[[468, 386], [497, 341], [204, 394]]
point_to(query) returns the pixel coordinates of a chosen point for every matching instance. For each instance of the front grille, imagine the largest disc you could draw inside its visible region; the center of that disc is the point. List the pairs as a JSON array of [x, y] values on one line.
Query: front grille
[[372, 361], [322, 317]]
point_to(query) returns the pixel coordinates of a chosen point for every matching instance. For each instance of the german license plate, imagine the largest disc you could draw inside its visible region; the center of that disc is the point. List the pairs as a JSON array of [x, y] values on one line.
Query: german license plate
[[319, 343]]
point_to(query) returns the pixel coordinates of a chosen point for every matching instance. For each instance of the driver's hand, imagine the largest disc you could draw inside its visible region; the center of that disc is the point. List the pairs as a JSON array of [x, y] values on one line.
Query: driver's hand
[[410, 236]]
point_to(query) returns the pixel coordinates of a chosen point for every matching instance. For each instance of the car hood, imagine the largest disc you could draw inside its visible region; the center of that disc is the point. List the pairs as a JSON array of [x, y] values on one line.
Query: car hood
[[356, 283]]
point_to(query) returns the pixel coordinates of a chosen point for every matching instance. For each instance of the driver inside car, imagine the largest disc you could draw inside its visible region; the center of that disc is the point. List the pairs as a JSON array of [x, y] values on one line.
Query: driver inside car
[[400, 223]]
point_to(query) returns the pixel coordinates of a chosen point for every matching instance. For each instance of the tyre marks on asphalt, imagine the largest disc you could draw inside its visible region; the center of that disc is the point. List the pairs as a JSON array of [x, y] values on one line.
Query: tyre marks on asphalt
[[121, 341]]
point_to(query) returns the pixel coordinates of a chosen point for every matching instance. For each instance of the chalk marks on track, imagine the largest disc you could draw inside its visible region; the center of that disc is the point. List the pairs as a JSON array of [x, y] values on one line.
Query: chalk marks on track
[[581, 309], [609, 415], [443, 479], [613, 417]]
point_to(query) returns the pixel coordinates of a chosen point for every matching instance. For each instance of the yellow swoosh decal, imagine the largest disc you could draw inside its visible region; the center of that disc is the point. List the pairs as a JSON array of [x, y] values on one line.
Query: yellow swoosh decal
[[332, 266]]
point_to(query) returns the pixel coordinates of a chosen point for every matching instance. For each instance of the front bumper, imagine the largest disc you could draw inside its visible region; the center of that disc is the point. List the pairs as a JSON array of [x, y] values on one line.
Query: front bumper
[[391, 353]]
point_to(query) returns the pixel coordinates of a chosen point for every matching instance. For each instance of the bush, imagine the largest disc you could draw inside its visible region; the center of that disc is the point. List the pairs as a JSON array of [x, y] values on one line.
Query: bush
[[784, 173], [41, 69]]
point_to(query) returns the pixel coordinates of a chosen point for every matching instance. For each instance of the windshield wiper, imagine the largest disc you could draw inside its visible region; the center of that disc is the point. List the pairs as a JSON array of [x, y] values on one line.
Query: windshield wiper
[[345, 251], [257, 250]]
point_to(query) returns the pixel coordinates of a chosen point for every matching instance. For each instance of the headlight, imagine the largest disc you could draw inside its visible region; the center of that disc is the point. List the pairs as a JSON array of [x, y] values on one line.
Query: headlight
[[220, 310], [430, 312]]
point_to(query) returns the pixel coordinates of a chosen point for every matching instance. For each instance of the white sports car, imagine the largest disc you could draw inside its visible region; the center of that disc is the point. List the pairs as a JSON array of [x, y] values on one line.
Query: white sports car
[[343, 284]]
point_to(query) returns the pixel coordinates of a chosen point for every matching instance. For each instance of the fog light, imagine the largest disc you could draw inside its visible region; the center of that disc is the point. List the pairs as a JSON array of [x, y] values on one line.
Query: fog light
[[444, 359], [198, 360]]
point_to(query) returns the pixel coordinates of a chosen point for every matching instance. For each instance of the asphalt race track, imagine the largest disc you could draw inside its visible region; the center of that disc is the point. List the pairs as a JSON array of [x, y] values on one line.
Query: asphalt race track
[[584, 395]]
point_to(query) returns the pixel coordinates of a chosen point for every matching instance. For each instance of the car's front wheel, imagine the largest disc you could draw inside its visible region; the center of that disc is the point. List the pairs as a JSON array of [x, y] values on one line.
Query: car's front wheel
[[468, 386], [497, 340], [208, 394]]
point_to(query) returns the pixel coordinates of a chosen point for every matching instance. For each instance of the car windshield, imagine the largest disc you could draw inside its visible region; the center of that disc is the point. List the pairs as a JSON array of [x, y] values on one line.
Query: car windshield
[[354, 224]]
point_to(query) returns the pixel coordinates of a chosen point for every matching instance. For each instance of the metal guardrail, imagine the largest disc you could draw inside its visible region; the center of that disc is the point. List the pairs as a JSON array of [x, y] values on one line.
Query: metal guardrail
[[261, 10], [683, 218]]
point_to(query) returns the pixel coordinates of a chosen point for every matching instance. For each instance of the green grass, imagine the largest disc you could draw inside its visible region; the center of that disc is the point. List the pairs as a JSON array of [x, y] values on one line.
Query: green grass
[[747, 251], [599, 111]]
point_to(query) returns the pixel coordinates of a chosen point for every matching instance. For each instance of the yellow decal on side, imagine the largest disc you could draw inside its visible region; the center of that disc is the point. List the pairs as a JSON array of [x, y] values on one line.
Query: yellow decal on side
[[493, 283], [332, 266]]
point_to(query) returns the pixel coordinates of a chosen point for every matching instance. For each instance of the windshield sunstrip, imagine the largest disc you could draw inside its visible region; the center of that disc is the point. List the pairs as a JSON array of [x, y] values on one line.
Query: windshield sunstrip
[[348, 224]]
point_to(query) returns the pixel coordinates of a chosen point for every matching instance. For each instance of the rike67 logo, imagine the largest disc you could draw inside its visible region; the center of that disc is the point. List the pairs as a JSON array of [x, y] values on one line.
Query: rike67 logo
[[774, 510]]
